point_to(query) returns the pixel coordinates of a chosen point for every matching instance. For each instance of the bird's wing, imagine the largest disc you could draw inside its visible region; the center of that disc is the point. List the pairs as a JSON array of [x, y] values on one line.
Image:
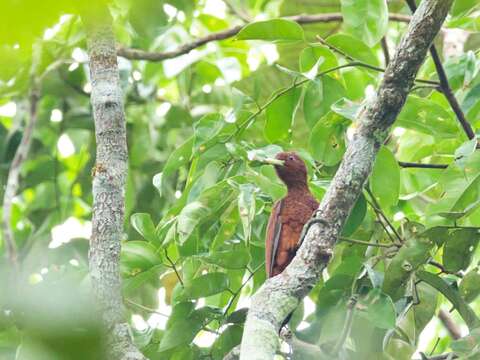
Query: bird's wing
[[274, 230]]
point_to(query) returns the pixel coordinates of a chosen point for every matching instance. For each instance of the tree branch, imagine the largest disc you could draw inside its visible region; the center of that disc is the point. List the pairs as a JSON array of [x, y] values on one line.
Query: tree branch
[[14, 172], [137, 54], [449, 324], [109, 177], [280, 295], [405, 164], [445, 86]]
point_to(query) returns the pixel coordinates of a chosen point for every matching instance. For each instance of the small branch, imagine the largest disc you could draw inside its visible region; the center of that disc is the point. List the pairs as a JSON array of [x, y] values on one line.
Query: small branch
[[145, 308], [14, 173], [446, 89], [376, 207], [386, 52], [443, 270], [364, 64], [404, 164], [367, 243], [236, 293], [449, 324], [172, 264], [347, 326], [136, 54]]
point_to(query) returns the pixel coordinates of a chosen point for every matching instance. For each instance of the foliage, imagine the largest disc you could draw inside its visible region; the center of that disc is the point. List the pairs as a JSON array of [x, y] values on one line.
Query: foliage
[[198, 195]]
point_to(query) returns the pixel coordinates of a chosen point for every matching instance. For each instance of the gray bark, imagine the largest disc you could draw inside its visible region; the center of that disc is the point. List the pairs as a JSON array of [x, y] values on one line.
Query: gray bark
[[280, 295], [109, 176]]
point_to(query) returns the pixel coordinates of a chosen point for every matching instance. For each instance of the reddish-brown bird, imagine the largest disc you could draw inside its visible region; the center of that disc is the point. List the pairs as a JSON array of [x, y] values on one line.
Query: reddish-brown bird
[[289, 215]]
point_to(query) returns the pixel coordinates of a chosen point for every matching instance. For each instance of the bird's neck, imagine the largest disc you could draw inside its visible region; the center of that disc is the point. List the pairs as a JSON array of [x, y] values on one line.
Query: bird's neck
[[297, 188]]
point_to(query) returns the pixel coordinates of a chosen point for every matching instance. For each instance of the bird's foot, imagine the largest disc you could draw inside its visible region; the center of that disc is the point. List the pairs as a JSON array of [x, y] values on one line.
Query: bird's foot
[[315, 219]]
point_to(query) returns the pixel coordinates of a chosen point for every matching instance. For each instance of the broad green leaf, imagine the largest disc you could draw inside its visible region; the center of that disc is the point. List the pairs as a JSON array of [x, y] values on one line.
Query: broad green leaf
[[280, 114], [469, 287], [356, 216], [272, 30], [206, 285], [142, 222], [460, 7], [453, 296], [206, 129], [138, 256], [366, 19], [246, 208], [237, 258], [311, 56], [414, 253], [327, 143], [385, 178], [380, 310], [460, 248], [467, 346], [183, 330], [425, 309], [354, 48], [319, 96], [428, 117], [227, 340]]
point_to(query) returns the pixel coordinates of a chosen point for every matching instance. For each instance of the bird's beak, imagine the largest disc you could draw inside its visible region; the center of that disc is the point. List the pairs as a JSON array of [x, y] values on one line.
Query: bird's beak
[[273, 161]]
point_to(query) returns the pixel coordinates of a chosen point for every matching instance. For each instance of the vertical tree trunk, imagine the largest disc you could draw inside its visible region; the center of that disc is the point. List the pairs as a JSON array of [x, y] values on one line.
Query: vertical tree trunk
[[279, 296], [109, 176]]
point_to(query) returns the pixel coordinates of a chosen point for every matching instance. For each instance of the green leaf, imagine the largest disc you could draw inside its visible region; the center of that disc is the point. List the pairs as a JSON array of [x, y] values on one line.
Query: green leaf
[[182, 330], [380, 310], [459, 249], [356, 217], [272, 30], [354, 47], [428, 117], [142, 222], [469, 286], [385, 178], [467, 346], [426, 307], [227, 340], [138, 256], [237, 258], [280, 114], [311, 56], [461, 7], [206, 285], [246, 208], [366, 19], [319, 96], [327, 143], [453, 296], [414, 253], [206, 129]]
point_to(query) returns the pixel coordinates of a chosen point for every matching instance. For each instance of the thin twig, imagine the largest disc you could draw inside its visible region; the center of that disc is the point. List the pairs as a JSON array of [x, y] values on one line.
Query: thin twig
[[137, 54], [405, 164], [367, 243], [145, 308], [376, 207], [236, 293], [364, 64], [172, 264], [14, 173], [386, 52], [443, 270], [449, 324], [347, 326], [446, 89]]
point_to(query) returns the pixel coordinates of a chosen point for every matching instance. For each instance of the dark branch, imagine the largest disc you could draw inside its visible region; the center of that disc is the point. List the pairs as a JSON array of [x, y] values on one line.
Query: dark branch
[[446, 89], [405, 164], [137, 54]]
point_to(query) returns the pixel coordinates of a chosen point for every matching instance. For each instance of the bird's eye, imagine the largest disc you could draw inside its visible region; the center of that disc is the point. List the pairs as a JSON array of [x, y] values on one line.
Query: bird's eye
[[291, 157]]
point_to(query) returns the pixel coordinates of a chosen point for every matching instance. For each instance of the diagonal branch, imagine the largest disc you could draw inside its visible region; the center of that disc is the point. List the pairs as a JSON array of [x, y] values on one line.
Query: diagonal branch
[[279, 296], [137, 54], [445, 86], [14, 173]]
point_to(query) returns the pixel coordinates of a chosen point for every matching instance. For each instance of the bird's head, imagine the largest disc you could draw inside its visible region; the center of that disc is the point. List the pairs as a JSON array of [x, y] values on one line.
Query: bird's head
[[292, 171]]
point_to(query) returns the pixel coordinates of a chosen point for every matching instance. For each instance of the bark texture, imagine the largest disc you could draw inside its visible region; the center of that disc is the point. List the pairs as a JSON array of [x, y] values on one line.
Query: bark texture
[[280, 295], [109, 177]]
